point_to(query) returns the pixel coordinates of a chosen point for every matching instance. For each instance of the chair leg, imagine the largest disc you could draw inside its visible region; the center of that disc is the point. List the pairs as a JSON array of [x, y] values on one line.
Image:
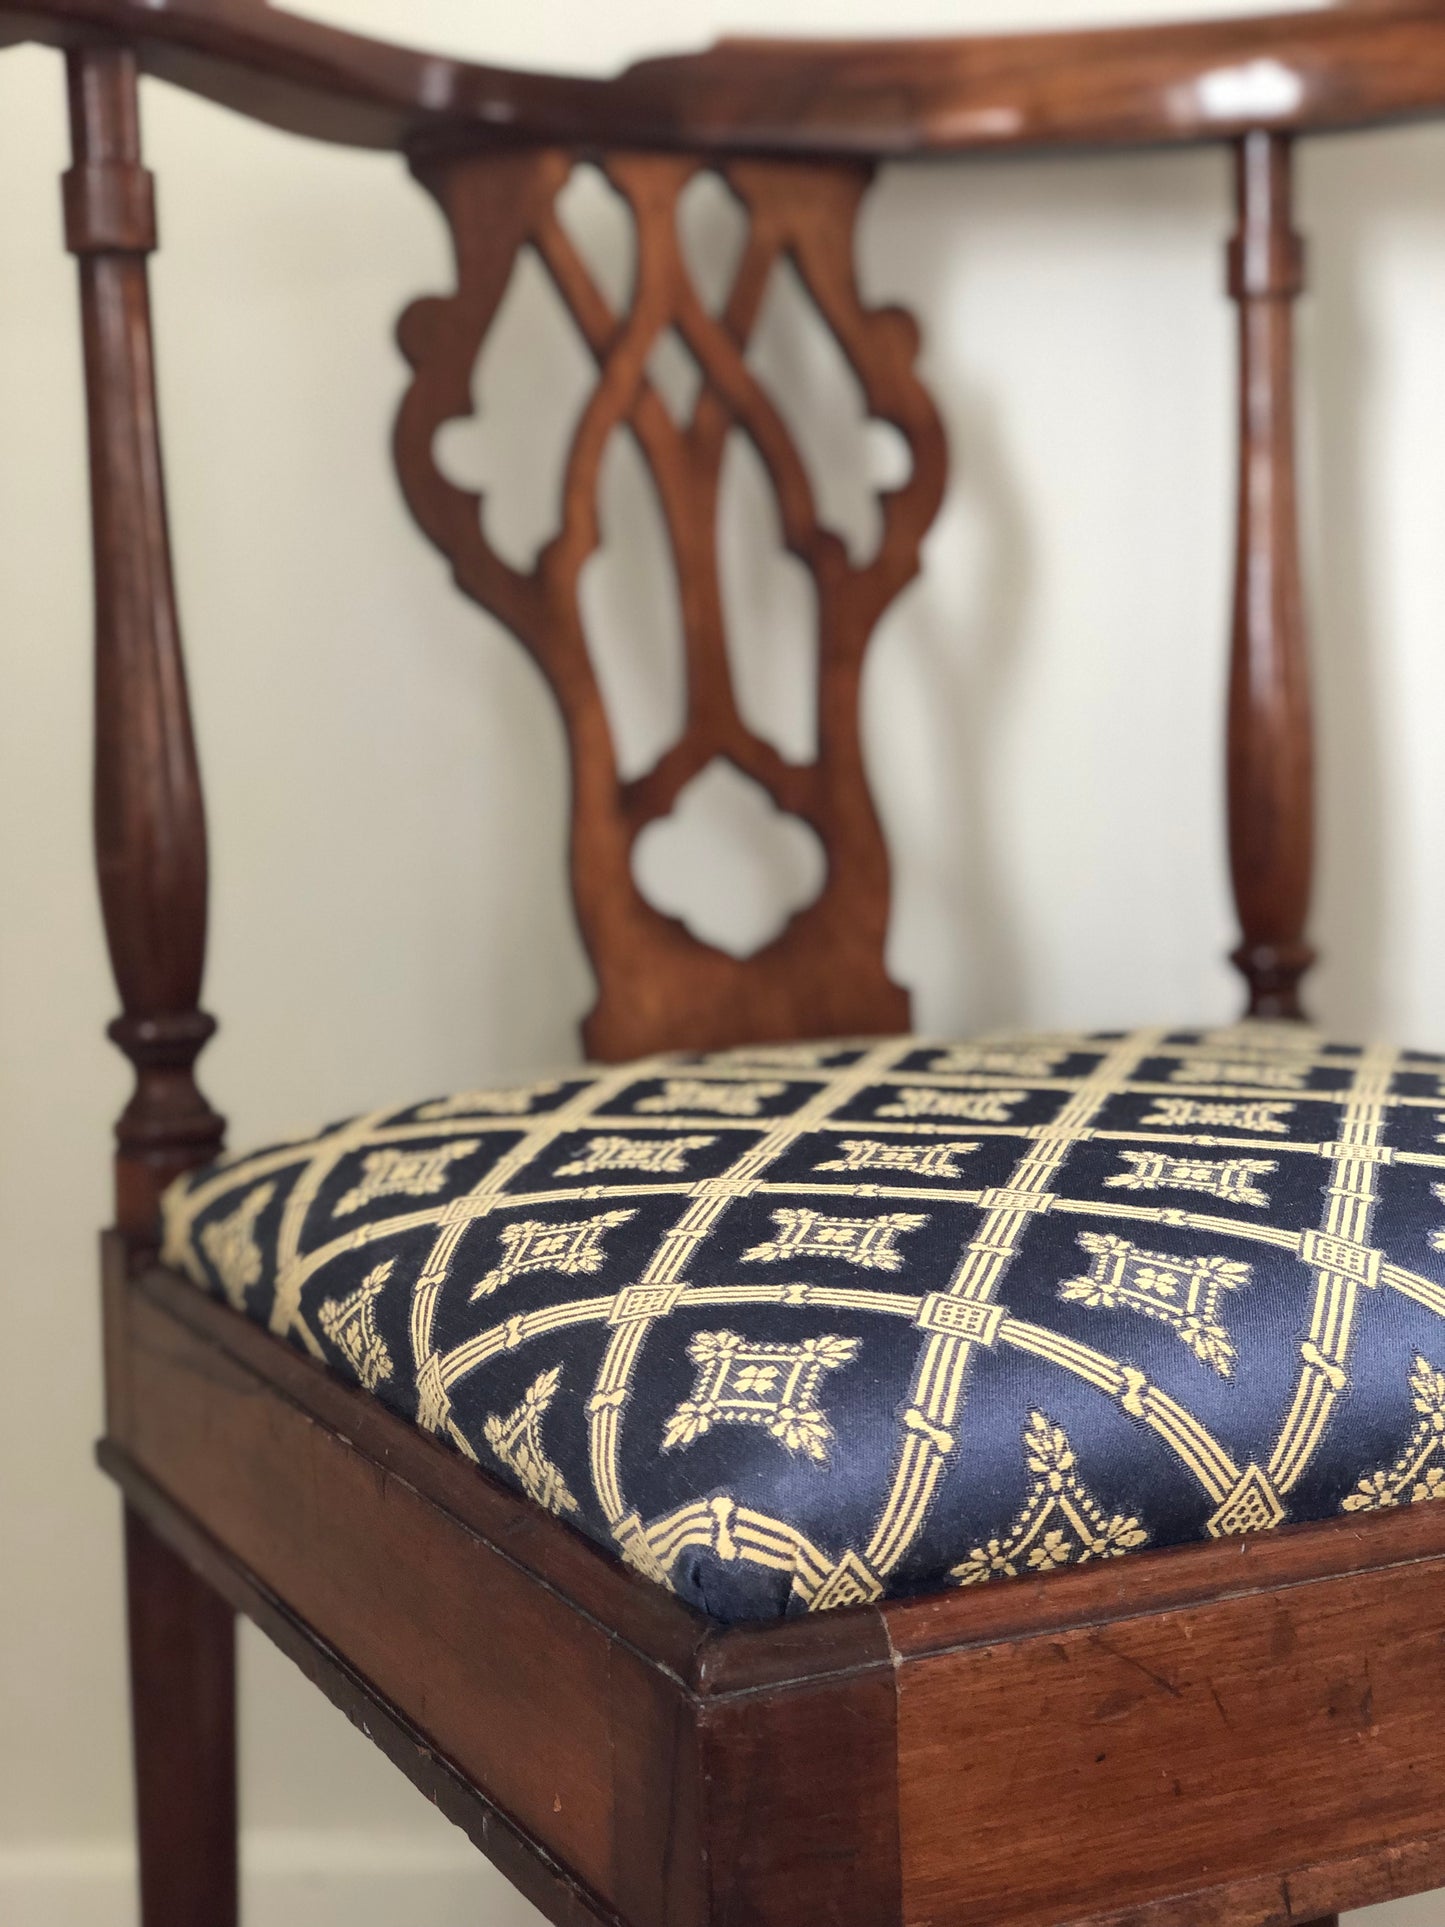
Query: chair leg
[[183, 1720]]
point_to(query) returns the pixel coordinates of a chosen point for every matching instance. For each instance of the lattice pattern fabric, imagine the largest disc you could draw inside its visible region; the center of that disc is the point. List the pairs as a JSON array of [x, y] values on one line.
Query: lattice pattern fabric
[[796, 1327]]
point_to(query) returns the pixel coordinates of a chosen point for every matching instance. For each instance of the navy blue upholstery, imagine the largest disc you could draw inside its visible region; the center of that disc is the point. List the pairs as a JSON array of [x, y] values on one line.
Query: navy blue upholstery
[[798, 1326]]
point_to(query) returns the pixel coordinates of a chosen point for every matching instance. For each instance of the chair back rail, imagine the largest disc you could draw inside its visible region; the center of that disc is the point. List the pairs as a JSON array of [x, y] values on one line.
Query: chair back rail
[[1356, 65], [793, 130]]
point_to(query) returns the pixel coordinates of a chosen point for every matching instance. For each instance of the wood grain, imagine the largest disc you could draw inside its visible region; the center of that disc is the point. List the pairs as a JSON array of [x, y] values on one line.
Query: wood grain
[[651, 1620], [507, 1679], [1016, 1766], [182, 1644], [1186, 81], [716, 1661], [660, 987], [1107, 1767], [515, 1854], [1271, 744], [802, 1803], [1225, 1735], [150, 832]]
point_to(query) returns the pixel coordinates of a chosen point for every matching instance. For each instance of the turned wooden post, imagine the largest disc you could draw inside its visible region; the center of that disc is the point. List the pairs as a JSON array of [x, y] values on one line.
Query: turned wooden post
[[149, 821], [1271, 831]]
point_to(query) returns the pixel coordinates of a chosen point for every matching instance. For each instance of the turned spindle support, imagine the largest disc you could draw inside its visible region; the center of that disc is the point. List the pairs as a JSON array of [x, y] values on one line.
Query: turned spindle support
[[149, 826], [1270, 758]]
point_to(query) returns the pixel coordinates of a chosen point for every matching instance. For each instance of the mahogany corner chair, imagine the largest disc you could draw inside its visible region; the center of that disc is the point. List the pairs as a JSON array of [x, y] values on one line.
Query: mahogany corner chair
[[1228, 1726]]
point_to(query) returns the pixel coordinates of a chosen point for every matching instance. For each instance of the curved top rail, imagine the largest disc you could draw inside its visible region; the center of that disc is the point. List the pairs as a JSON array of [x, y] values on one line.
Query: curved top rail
[[1183, 82]]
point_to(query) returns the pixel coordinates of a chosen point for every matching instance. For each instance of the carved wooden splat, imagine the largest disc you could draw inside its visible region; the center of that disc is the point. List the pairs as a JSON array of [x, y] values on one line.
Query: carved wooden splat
[[659, 986]]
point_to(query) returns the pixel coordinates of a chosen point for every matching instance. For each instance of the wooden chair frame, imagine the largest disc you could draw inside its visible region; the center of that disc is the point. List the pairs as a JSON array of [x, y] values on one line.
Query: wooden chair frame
[[1231, 1734]]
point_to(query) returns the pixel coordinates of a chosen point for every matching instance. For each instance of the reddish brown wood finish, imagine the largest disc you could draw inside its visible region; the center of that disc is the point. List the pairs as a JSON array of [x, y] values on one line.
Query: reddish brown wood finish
[[1179, 82], [150, 831], [1178, 1741], [1144, 1765], [1227, 1735], [150, 840], [1271, 803], [518, 1857], [183, 1688], [658, 986], [418, 1635]]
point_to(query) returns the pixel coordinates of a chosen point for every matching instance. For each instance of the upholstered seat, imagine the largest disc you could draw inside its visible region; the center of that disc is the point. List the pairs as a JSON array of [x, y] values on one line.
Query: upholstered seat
[[795, 1326]]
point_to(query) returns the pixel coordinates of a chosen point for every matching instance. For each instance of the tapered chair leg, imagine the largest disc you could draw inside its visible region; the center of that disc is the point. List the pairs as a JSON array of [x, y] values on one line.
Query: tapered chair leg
[[183, 1713]]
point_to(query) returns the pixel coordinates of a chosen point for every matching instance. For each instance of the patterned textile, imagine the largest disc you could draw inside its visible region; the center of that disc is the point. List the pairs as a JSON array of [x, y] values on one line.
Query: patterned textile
[[795, 1327]]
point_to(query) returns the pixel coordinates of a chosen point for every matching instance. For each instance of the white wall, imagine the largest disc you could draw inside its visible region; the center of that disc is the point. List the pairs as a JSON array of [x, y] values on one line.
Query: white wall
[[385, 776]]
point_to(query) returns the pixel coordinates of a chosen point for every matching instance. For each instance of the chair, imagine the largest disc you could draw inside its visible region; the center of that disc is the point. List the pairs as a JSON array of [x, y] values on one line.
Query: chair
[[1239, 1726]]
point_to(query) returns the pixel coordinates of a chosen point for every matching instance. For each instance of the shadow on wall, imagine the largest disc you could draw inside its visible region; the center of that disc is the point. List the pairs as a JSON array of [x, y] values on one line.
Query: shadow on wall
[[959, 657], [1336, 367], [966, 669], [1359, 198], [1057, 826]]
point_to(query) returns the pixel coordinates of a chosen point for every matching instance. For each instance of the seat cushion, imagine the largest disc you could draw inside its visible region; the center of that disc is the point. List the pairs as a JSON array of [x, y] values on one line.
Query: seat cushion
[[796, 1327]]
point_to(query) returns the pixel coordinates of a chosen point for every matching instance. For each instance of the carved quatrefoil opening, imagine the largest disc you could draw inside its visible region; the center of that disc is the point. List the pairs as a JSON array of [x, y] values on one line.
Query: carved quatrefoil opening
[[851, 457], [631, 614], [530, 384], [770, 608], [712, 231], [731, 865]]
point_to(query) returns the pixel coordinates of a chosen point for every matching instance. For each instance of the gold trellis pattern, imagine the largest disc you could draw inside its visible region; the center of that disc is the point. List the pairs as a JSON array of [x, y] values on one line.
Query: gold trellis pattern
[[1183, 1293], [1233, 1179], [775, 1386], [350, 1324], [1419, 1471], [831, 1350], [540, 1244], [867, 1239], [230, 1245], [517, 1442], [1060, 1525]]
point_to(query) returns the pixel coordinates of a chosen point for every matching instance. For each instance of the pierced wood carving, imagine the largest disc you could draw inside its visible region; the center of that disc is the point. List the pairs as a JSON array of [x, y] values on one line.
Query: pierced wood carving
[[659, 986]]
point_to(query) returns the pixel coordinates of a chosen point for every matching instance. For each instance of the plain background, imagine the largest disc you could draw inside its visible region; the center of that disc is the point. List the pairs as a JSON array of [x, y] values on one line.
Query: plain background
[[386, 778]]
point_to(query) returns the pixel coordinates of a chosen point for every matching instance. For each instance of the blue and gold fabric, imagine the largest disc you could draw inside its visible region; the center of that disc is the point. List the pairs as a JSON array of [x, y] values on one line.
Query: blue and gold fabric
[[796, 1327]]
